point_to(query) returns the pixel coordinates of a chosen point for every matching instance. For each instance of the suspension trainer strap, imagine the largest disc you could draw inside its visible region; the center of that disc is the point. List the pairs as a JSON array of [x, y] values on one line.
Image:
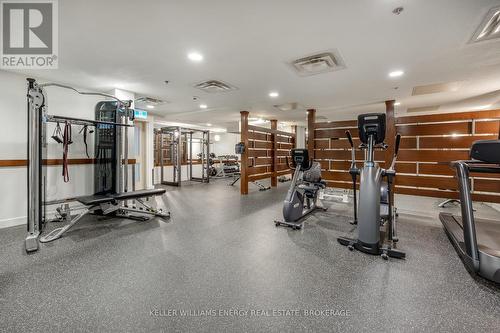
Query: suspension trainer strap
[[57, 135], [66, 142], [84, 130]]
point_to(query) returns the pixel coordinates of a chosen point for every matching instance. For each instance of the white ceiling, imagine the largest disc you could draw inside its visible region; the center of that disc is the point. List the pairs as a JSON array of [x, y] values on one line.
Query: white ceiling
[[137, 45]]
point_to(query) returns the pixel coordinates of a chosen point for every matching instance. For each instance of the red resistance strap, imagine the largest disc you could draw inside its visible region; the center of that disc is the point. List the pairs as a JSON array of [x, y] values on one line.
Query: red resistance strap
[[66, 142]]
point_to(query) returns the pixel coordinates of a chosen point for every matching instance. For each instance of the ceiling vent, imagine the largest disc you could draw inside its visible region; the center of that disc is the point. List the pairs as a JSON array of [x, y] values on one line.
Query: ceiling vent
[[436, 88], [214, 86], [489, 28], [318, 63], [289, 106], [432, 108], [149, 101]]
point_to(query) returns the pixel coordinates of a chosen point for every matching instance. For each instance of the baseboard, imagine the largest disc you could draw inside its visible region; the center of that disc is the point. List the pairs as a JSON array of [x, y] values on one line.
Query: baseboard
[[15, 221], [12, 222]]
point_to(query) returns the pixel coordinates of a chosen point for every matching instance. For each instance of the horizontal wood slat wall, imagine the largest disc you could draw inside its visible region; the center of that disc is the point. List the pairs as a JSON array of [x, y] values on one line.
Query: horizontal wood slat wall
[[333, 151], [261, 150], [429, 143], [266, 152], [439, 140], [52, 162]]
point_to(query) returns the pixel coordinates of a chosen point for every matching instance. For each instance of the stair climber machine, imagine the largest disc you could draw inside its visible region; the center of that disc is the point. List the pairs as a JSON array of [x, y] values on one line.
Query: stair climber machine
[[476, 240], [374, 213], [302, 196]]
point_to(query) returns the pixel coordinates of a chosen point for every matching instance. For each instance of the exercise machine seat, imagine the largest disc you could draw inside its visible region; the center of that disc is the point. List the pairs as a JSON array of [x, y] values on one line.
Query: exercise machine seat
[[486, 151], [101, 198], [91, 200], [313, 174], [139, 194]]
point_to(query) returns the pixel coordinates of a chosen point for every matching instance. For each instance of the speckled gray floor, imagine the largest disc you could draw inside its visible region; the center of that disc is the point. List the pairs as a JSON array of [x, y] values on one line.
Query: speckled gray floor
[[222, 251]]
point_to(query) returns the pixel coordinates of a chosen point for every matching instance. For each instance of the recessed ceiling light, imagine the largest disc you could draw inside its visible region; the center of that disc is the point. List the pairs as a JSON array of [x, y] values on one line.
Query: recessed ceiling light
[[203, 106], [273, 94], [195, 56], [208, 124], [397, 103], [396, 73], [150, 106]]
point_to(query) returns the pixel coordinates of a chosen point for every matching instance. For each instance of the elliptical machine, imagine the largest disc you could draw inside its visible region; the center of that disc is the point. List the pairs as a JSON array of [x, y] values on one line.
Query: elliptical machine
[[375, 214], [302, 196]]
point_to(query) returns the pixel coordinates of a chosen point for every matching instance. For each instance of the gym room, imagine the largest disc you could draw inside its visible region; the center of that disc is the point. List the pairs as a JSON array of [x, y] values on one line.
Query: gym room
[[250, 166]]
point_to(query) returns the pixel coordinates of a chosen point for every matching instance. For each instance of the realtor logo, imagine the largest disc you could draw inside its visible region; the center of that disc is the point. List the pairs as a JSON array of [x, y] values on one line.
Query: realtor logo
[[29, 34]]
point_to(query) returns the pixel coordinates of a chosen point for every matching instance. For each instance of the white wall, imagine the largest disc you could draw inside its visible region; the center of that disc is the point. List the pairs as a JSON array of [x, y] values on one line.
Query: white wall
[[13, 141], [226, 144], [301, 137]]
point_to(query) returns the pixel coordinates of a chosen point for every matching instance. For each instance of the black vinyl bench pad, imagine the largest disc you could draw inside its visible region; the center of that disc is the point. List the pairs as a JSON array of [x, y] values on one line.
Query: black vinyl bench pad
[[101, 198]]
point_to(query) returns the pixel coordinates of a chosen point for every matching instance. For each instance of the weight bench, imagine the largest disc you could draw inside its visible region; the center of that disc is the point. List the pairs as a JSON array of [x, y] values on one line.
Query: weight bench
[[107, 204]]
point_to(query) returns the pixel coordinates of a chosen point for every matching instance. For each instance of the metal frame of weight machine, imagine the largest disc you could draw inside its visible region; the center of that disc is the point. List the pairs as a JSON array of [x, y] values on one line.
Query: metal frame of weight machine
[[114, 203], [177, 136]]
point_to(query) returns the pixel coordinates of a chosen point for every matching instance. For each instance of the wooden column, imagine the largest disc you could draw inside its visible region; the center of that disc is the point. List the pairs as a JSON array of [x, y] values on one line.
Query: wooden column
[[274, 157], [294, 130], [311, 119], [390, 131], [244, 156]]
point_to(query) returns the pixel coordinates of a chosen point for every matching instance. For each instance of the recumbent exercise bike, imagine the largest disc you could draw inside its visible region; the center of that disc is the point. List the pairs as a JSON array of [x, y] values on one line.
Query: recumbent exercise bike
[[302, 196]]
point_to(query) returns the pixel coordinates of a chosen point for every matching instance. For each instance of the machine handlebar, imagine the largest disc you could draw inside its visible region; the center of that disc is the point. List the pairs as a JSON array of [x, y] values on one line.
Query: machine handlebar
[[396, 150], [349, 137], [353, 150], [396, 147]]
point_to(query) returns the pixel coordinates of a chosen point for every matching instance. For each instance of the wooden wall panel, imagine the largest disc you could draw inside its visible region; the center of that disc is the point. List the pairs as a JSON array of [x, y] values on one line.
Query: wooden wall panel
[[464, 142], [257, 170], [331, 133], [261, 144], [336, 124], [284, 139], [267, 151], [343, 143], [435, 129], [340, 184], [438, 145], [345, 155], [428, 145], [259, 136], [262, 161], [280, 167], [443, 183], [257, 153], [435, 169], [336, 176], [53, 162], [487, 127], [283, 152], [446, 117], [432, 155], [288, 146], [486, 185], [406, 168], [322, 144]]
